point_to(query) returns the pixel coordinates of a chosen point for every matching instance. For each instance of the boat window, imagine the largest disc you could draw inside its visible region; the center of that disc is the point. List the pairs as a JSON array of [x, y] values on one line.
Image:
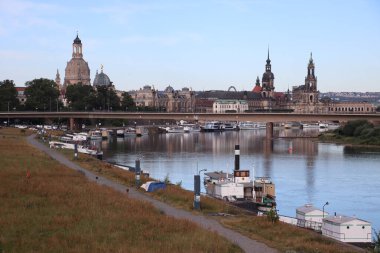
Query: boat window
[[348, 227]]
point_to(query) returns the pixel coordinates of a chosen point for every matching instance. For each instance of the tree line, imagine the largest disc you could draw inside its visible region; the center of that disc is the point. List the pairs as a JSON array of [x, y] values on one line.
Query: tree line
[[43, 95]]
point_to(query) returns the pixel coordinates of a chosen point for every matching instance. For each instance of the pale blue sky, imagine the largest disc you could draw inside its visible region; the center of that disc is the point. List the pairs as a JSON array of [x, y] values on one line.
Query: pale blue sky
[[200, 44]]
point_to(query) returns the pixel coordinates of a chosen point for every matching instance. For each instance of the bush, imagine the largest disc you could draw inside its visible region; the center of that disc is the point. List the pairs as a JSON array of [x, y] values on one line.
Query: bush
[[351, 126]]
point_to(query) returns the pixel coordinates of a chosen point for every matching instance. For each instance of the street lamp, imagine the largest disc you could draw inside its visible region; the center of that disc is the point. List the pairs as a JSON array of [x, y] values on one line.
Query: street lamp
[[197, 190], [323, 209]]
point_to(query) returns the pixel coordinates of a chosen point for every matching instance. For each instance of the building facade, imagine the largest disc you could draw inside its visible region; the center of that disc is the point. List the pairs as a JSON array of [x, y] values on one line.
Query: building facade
[[232, 106], [168, 100]]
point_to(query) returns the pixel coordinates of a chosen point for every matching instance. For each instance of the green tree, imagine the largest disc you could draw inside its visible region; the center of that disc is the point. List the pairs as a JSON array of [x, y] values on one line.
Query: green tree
[[107, 98], [81, 97], [127, 102], [8, 95], [41, 95]]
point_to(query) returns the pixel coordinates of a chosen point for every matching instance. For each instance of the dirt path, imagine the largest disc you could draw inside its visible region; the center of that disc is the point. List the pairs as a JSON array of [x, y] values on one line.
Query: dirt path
[[247, 244]]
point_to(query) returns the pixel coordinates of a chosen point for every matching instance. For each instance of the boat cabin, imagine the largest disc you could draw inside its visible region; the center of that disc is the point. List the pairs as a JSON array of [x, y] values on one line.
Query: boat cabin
[[347, 229], [309, 216], [309, 212]]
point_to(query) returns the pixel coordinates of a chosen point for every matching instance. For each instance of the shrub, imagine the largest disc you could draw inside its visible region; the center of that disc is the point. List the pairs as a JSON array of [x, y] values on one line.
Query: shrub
[[350, 127]]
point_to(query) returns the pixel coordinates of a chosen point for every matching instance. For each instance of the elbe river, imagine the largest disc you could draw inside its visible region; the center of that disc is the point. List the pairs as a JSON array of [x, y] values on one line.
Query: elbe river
[[303, 169]]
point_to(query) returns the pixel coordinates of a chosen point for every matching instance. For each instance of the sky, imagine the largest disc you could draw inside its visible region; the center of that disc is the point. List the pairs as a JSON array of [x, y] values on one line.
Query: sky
[[200, 44]]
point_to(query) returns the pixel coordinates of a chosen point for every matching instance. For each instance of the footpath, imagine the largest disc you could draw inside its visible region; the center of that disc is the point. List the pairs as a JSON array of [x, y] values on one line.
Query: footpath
[[247, 244]]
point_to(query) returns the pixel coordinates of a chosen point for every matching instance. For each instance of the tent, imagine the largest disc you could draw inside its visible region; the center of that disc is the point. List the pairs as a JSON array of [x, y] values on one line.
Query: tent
[[152, 186]]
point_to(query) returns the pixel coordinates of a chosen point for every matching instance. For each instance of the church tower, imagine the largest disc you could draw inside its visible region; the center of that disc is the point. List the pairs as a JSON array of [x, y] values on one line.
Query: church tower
[[77, 70], [77, 48], [311, 79], [268, 80], [58, 80]]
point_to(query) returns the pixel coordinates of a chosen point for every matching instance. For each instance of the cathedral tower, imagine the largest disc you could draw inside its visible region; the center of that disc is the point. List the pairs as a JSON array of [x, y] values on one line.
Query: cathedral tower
[[77, 70], [311, 79], [268, 80]]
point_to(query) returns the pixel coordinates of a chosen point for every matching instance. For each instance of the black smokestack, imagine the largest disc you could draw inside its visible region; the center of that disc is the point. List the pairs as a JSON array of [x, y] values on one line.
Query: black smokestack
[[237, 157]]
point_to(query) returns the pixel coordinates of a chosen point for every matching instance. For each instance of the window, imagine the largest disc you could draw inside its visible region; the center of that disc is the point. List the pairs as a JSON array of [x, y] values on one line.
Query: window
[[348, 227]]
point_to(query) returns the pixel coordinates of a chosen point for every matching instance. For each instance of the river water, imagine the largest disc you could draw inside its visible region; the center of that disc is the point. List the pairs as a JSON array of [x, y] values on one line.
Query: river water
[[303, 170]]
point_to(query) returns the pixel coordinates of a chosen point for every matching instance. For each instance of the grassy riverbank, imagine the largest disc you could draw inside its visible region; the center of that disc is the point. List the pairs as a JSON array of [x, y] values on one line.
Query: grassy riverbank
[[358, 132], [281, 236], [59, 210]]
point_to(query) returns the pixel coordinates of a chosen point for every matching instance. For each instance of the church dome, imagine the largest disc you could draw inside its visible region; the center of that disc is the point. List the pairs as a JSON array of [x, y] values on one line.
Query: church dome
[[101, 79], [77, 71], [169, 89]]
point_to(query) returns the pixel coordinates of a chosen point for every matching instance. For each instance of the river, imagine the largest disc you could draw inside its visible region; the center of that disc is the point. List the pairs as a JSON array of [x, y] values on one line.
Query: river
[[303, 170]]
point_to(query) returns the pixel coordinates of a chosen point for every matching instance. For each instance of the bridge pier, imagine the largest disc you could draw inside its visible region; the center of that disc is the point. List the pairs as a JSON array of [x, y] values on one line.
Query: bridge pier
[[72, 124], [269, 130]]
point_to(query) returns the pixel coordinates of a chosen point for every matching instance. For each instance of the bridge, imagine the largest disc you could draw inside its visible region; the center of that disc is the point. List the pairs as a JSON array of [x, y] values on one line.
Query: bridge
[[269, 118]]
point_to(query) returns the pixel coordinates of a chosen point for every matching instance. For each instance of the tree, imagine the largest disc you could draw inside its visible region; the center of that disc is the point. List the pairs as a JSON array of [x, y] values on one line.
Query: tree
[[41, 94], [8, 95], [81, 97], [107, 98], [127, 102]]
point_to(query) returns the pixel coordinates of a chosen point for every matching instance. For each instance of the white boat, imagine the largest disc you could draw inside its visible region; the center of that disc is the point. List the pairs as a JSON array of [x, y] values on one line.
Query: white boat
[[323, 125], [176, 129], [213, 126], [230, 126], [80, 136], [120, 132], [249, 125], [96, 135], [80, 148], [310, 125]]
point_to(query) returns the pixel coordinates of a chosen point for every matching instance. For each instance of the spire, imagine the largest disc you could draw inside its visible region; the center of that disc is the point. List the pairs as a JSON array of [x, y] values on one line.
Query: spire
[[101, 68], [311, 57], [268, 60], [257, 81]]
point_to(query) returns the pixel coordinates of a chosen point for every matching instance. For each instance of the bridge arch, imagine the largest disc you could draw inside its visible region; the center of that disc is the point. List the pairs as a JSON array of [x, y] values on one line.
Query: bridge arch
[[232, 88]]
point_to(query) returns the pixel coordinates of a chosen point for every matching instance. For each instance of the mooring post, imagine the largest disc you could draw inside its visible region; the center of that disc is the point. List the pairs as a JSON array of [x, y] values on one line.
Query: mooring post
[[137, 173], [197, 192], [237, 157]]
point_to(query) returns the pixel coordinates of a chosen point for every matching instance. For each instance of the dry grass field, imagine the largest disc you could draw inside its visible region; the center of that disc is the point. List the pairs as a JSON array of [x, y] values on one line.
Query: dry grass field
[[56, 209]]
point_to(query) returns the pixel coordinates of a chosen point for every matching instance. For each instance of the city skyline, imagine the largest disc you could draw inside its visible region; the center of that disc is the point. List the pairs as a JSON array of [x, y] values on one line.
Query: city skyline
[[203, 45]]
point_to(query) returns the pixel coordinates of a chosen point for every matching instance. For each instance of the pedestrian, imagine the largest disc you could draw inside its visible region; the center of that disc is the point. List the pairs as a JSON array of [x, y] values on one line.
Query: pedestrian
[[127, 190]]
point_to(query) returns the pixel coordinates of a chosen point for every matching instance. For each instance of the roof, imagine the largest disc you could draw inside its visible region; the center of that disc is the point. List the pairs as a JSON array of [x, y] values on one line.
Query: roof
[[77, 40], [219, 94], [217, 175], [308, 208], [257, 89], [230, 101], [20, 88], [341, 219], [101, 79]]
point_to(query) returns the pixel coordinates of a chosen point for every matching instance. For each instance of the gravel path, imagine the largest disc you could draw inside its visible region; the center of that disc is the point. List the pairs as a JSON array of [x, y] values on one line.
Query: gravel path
[[247, 244]]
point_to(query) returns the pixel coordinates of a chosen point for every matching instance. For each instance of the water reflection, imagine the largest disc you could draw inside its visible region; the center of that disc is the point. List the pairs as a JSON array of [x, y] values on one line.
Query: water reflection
[[303, 170]]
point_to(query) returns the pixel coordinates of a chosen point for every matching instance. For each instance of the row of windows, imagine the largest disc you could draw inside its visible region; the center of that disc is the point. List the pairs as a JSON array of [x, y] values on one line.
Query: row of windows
[[349, 109]]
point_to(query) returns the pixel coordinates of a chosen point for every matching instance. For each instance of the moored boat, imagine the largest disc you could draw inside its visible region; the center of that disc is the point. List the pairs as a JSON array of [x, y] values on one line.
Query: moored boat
[[213, 126], [249, 125], [240, 188]]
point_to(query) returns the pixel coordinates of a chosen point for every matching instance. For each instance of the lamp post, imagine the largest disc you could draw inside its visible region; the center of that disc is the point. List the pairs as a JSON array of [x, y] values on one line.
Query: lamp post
[[197, 190], [323, 209]]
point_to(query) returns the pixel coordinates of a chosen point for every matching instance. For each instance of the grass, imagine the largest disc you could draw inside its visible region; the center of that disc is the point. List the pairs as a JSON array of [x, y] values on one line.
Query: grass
[[281, 236], [285, 237], [58, 210]]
